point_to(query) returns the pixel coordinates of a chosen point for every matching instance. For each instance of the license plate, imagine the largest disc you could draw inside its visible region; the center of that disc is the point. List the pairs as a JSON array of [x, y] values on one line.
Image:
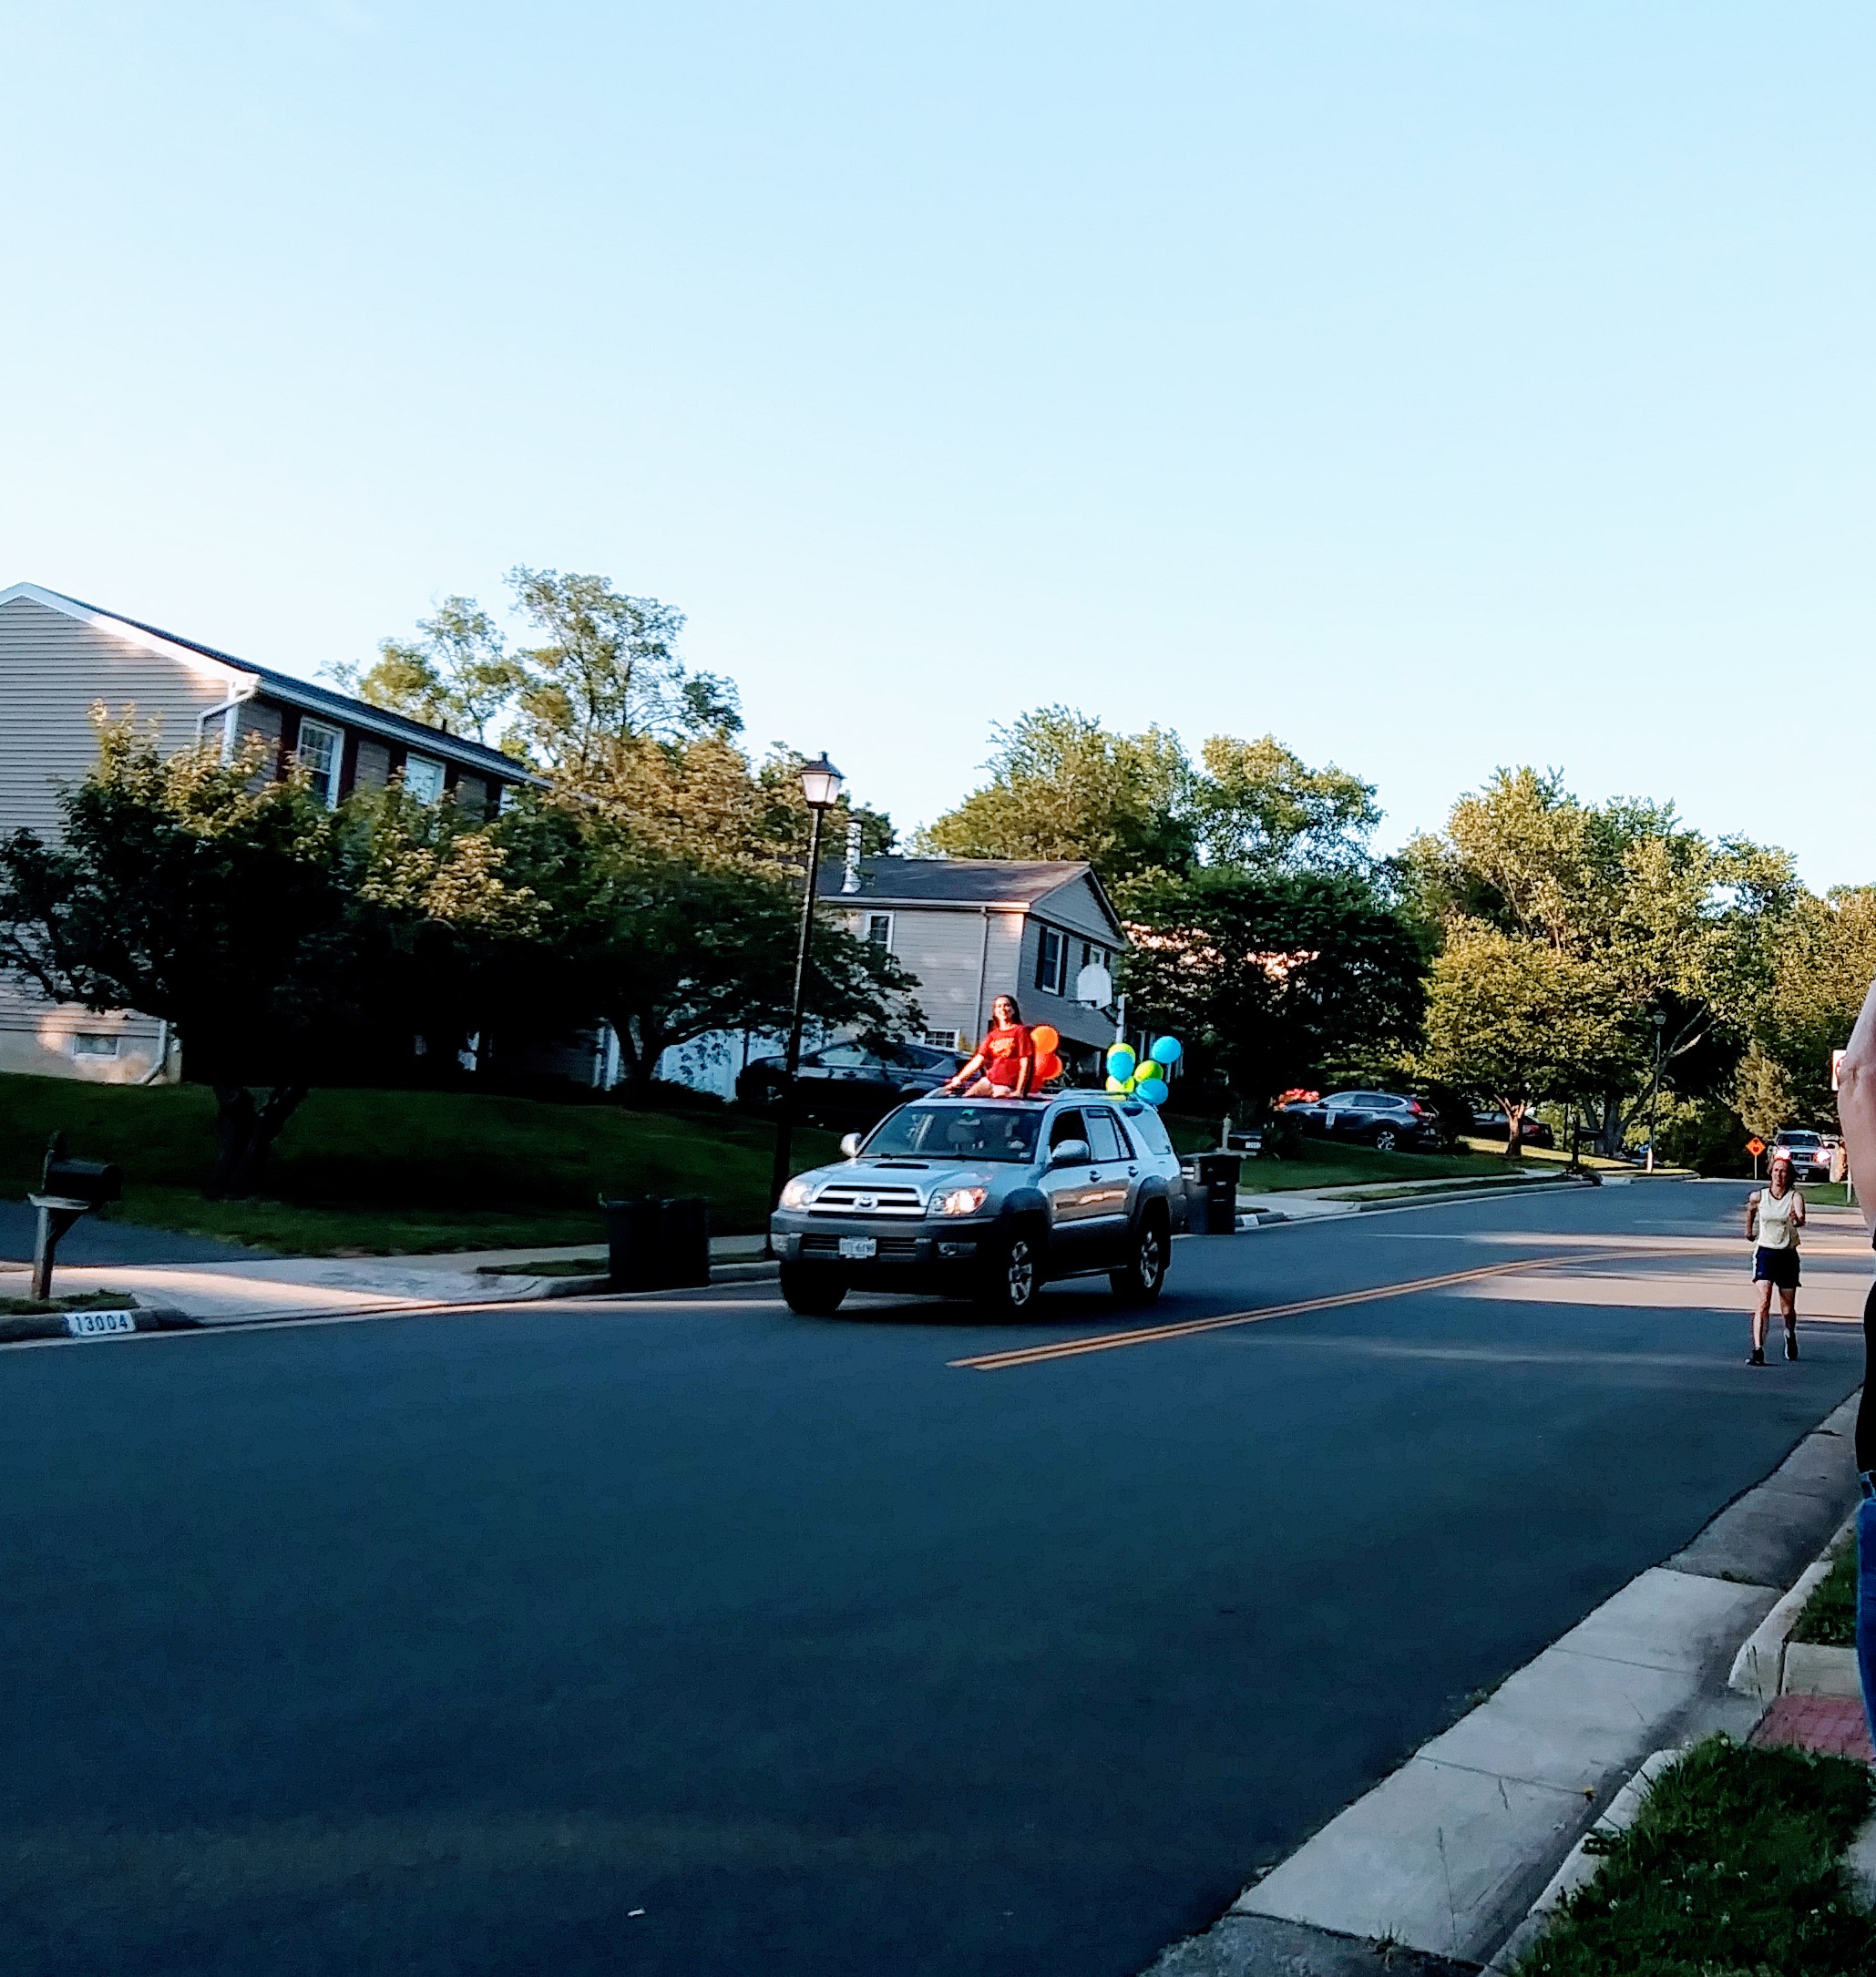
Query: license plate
[[857, 1248], [95, 1323]]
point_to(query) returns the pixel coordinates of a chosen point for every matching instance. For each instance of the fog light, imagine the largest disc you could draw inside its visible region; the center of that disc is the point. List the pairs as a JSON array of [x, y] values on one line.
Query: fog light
[[952, 1252]]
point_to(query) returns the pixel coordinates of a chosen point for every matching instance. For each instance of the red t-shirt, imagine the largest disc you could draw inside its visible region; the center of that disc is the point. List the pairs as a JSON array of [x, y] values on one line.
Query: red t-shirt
[[1007, 1049]]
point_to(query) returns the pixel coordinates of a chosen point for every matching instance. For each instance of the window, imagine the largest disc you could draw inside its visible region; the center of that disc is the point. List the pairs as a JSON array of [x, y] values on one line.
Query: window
[[1065, 1126], [1005, 1130], [942, 1040], [422, 778], [90, 1044], [841, 1057], [1051, 961], [879, 931], [1148, 1129], [1104, 1135], [317, 752]]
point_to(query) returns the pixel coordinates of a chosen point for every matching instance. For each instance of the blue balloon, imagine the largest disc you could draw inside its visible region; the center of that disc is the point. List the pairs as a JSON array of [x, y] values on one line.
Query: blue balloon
[[1167, 1051], [1152, 1090], [1121, 1061]]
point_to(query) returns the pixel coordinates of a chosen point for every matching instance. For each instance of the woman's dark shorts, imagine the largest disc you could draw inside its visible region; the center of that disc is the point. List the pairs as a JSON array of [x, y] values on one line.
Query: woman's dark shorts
[[1778, 1268]]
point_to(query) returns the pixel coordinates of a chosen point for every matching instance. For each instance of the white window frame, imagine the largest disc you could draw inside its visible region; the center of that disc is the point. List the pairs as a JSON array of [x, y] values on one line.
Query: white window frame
[[326, 784], [942, 1040], [104, 1044], [1052, 982], [870, 921], [423, 762]]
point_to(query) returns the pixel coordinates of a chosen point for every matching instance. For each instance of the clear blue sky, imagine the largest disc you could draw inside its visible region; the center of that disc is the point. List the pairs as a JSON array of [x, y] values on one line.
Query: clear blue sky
[[1435, 385]]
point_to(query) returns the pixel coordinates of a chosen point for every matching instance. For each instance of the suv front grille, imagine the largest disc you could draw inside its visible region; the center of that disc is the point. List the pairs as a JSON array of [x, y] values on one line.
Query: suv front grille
[[892, 1248], [850, 1198]]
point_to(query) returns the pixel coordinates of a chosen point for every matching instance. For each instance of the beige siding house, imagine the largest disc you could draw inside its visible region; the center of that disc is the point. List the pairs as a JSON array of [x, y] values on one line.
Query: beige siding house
[[972, 929], [59, 658]]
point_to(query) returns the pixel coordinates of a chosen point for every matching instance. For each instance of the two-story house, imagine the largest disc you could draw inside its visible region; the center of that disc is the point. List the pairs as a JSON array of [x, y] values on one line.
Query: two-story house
[[970, 929], [60, 658]]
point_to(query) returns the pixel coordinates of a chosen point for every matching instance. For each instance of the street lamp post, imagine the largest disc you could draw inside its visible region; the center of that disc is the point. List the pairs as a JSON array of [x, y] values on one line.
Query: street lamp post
[[1659, 1020], [820, 786]]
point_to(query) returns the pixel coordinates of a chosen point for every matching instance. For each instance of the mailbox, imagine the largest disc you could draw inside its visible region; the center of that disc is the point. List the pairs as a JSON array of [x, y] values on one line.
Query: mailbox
[[90, 1183]]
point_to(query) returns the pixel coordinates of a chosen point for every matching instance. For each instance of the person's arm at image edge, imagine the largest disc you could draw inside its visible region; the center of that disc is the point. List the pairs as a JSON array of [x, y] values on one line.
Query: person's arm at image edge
[[1856, 1102]]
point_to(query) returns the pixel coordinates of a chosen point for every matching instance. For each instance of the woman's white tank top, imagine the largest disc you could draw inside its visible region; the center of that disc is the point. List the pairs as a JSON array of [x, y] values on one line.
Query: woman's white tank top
[[1776, 1229]]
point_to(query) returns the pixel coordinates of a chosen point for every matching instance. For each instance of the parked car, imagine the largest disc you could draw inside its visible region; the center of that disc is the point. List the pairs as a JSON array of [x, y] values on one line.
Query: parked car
[[1384, 1120], [1493, 1125], [987, 1199], [1810, 1158], [852, 1083]]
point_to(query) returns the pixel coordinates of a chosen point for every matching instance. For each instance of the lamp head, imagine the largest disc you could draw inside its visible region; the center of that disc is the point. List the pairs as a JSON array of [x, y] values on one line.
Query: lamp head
[[820, 783]]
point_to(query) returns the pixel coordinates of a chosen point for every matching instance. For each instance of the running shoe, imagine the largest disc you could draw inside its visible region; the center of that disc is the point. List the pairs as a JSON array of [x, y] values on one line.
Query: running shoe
[[1790, 1345], [1755, 1357]]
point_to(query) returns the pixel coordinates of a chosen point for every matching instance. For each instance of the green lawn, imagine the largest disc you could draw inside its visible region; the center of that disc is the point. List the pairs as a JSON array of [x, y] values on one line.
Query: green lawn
[[390, 1172], [1830, 1615], [1730, 1870], [1324, 1164]]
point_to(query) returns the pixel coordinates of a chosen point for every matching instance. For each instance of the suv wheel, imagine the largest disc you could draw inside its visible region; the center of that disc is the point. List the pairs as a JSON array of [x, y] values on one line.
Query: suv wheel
[[1012, 1275], [1140, 1279], [1385, 1138], [811, 1292]]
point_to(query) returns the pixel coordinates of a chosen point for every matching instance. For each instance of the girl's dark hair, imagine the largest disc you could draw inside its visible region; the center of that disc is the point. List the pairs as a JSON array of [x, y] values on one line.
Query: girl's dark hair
[[1015, 1007]]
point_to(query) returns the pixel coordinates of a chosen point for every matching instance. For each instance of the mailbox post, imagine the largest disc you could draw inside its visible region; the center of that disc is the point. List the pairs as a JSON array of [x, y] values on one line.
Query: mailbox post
[[67, 1189]]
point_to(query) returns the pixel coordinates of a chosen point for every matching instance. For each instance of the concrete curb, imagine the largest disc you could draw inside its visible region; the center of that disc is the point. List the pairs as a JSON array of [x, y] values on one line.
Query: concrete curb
[[1758, 1668], [1582, 1866], [1446, 1857], [20, 1328]]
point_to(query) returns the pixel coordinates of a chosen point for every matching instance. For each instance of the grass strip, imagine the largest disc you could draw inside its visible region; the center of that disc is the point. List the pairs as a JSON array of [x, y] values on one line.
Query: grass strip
[[1732, 1869], [1830, 1615], [38, 1307]]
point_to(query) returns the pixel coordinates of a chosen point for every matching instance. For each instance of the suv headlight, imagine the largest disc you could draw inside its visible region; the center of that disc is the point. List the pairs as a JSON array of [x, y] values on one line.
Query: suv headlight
[[796, 1194], [959, 1201]]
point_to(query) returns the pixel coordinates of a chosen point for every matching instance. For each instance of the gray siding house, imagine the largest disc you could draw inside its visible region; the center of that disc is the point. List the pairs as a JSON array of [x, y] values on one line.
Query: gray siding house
[[59, 658], [972, 929]]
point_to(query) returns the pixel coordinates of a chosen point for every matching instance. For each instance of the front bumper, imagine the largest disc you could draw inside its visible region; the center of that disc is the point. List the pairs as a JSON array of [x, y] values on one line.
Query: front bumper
[[926, 1253]]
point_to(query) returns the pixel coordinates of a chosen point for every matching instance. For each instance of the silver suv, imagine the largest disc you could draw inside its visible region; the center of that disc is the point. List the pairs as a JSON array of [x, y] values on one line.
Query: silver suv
[[987, 1199]]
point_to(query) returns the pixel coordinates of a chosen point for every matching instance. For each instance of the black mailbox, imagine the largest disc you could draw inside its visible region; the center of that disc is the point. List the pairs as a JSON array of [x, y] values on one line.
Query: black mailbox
[[93, 1183]]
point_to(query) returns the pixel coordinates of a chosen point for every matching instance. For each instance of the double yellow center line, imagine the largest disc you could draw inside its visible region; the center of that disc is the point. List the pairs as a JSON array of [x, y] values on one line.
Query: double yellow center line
[[1152, 1335]]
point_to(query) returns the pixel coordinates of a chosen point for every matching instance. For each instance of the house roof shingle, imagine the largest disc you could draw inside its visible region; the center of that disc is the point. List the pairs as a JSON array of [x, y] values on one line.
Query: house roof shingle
[[962, 882]]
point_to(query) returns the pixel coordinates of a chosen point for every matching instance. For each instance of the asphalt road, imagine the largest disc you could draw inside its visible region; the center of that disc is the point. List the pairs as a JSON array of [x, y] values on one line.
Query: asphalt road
[[684, 1635]]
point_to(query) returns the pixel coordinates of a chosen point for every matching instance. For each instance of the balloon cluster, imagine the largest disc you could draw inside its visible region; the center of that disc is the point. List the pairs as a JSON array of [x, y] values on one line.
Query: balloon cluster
[[1129, 1076], [1044, 1039]]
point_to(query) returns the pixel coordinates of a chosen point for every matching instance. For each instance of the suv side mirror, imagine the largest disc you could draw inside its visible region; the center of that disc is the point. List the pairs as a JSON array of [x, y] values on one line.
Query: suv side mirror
[[1069, 1153], [850, 1144]]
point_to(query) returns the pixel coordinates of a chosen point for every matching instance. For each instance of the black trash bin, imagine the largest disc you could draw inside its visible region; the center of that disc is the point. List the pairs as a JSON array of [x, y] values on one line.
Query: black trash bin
[[1217, 1180], [657, 1245], [633, 1234], [683, 1237]]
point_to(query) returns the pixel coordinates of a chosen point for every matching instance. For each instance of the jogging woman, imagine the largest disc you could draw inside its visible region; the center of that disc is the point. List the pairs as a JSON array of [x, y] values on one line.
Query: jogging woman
[[1773, 1218], [1006, 1058], [1856, 1106]]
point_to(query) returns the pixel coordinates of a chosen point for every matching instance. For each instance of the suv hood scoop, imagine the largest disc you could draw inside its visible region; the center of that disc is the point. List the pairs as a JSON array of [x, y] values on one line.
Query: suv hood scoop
[[899, 1166]]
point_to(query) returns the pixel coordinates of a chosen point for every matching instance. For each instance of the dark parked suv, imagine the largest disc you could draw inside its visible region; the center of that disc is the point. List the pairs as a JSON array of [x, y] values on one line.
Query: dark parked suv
[[1384, 1119], [851, 1084], [987, 1199]]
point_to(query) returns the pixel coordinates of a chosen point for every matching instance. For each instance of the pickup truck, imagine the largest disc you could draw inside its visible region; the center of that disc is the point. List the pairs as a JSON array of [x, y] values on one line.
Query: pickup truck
[[988, 1199]]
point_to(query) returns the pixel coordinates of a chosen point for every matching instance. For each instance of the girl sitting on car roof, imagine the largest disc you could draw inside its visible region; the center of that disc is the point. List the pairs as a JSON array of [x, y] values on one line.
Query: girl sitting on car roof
[[1007, 1058]]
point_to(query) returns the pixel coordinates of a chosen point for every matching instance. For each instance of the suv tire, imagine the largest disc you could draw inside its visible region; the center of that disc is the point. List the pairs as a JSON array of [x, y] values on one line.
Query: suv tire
[[810, 1291], [1143, 1276], [1386, 1140], [1013, 1273]]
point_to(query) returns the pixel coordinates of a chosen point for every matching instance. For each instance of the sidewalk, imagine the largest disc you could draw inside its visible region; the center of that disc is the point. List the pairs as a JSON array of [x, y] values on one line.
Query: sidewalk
[[260, 1289]]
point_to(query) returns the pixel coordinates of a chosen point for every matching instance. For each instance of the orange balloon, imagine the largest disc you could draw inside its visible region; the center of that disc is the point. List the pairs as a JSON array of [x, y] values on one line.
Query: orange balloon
[[1047, 1066], [1045, 1037]]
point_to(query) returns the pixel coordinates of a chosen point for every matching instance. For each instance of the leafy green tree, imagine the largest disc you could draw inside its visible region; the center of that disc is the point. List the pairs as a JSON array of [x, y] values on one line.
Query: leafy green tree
[[667, 947], [1522, 1020], [1762, 1093], [457, 675], [1258, 806], [282, 941], [1063, 786], [606, 677], [1269, 978], [1654, 917], [1826, 961]]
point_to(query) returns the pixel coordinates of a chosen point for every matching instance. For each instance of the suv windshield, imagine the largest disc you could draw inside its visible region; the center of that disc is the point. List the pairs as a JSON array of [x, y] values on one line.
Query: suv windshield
[[1798, 1139], [995, 1132]]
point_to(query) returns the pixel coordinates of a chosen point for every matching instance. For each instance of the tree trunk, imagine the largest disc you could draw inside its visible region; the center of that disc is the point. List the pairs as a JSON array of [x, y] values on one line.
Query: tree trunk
[[245, 1131], [1514, 1128]]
